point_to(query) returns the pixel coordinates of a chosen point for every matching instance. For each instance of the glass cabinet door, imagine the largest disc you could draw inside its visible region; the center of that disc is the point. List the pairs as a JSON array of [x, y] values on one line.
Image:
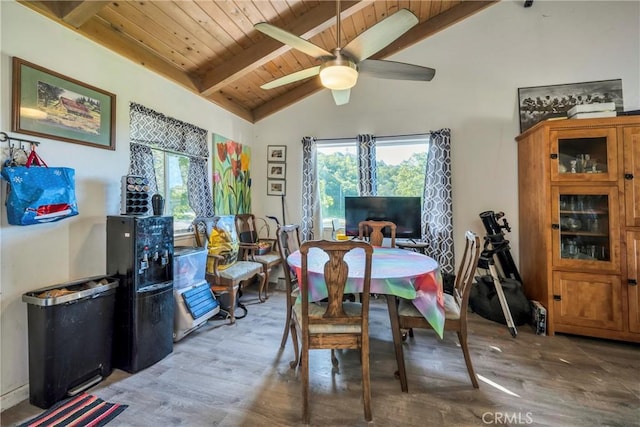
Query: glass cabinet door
[[586, 227], [584, 155]]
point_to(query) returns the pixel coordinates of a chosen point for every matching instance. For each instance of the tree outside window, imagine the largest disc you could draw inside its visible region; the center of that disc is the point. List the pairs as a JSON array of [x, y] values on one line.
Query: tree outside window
[[171, 175], [400, 171]]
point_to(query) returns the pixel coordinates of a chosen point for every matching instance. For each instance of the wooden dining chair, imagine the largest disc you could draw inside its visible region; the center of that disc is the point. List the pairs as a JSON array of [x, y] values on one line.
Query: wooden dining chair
[[254, 247], [288, 238], [224, 273], [455, 306], [334, 324], [372, 232]]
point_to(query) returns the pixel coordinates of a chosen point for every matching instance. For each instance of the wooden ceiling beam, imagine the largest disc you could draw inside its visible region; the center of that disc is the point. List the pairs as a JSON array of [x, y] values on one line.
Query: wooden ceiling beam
[[318, 20], [107, 36], [290, 97], [73, 13], [104, 34], [76, 13], [434, 25], [228, 103]]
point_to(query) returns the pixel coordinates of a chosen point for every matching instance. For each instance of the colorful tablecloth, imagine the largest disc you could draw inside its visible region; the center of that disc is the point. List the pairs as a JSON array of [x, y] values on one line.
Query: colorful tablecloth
[[394, 271]]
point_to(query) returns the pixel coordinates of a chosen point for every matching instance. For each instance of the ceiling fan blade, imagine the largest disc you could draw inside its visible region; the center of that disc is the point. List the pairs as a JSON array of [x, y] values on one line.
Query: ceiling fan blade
[[395, 70], [293, 77], [380, 35], [341, 97], [292, 40]]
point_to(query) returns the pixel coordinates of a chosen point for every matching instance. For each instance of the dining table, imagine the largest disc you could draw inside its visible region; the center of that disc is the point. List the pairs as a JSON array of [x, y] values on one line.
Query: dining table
[[396, 273]]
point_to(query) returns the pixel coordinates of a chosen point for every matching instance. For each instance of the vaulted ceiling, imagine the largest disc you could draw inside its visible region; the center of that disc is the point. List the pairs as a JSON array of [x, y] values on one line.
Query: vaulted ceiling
[[211, 48]]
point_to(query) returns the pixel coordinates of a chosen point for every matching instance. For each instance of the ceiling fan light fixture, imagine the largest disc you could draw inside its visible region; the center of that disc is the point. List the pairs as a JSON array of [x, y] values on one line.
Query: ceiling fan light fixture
[[339, 75]]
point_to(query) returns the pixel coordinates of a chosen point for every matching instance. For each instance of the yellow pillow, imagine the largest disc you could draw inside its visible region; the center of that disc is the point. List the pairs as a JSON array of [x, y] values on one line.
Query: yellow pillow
[[223, 241]]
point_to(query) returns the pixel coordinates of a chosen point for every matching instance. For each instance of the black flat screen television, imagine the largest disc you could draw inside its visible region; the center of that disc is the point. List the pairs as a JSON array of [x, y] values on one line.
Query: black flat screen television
[[404, 212]]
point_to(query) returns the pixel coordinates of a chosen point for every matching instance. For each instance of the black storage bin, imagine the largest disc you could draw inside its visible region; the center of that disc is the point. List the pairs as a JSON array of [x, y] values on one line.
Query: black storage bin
[[70, 337]]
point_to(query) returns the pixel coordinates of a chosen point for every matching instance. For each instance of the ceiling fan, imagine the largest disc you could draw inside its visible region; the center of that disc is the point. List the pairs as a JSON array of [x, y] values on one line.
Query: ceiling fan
[[340, 68]]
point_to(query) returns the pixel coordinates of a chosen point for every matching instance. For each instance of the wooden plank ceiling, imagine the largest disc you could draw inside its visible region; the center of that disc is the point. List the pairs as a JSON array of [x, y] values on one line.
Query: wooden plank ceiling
[[211, 48]]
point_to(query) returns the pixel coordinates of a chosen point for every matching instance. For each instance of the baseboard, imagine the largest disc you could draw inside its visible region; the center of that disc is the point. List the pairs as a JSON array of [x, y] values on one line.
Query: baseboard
[[14, 397]]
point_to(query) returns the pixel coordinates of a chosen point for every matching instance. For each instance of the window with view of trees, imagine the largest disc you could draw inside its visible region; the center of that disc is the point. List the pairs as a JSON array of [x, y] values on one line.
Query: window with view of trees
[[171, 176], [400, 169], [172, 155]]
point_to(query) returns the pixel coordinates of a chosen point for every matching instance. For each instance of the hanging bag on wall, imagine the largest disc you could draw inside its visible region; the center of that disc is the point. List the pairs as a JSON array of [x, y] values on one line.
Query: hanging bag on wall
[[38, 193]]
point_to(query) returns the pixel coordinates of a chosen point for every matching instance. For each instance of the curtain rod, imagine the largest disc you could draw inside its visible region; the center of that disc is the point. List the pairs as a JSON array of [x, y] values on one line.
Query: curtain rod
[[168, 150], [335, 139], [404, 136], [377, 136]]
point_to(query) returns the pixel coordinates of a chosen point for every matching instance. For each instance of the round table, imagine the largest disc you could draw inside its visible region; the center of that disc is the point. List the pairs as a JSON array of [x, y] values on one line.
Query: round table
[[394, 271]]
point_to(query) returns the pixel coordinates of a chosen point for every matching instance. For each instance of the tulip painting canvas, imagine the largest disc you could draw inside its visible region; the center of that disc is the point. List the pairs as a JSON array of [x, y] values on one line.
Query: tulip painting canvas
[[231, 177]]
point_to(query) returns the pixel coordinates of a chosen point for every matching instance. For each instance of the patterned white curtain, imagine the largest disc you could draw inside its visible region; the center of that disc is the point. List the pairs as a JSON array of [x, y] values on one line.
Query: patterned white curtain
[[437, 209], [199, 192], [311, 223], [149, 129], [141, 164], [367, 178]]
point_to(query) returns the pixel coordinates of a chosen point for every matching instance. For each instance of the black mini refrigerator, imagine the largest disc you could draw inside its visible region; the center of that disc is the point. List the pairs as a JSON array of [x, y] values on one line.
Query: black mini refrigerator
[[140, 255]]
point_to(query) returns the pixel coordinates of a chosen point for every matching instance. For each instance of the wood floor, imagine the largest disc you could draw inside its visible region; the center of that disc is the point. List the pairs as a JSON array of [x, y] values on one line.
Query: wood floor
[[238, 376]]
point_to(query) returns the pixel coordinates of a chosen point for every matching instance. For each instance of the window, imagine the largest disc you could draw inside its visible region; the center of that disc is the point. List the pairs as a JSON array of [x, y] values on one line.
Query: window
[[400, 168], [172, 155], [171, 176], [338, 177]]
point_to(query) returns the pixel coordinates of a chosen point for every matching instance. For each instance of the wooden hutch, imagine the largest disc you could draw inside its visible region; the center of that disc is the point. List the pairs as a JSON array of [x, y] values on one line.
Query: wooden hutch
[[579, 213]]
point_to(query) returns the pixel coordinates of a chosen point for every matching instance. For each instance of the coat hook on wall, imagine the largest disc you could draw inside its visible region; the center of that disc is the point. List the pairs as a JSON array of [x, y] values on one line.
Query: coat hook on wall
[[5, 137], [18, 153]]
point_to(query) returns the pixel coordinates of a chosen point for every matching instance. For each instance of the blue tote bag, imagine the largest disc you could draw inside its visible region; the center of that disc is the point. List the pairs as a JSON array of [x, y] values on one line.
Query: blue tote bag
[[38, 193]]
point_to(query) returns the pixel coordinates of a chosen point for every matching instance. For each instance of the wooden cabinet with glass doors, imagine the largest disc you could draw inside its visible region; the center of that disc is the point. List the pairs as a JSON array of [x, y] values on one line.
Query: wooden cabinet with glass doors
[[579, 215]]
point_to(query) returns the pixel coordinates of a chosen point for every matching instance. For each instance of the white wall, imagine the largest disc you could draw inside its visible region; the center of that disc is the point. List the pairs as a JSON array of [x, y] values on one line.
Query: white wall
[[46, 254], [480, 64]]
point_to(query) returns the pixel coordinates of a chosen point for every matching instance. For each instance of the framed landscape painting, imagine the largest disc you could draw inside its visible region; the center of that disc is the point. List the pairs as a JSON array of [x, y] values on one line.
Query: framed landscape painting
[[50, 105], [545, 102]]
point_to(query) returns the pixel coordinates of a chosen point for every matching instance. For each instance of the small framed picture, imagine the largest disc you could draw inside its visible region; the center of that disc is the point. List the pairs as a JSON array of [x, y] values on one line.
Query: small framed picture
[[276, 170], [276, 187], [276, 153]]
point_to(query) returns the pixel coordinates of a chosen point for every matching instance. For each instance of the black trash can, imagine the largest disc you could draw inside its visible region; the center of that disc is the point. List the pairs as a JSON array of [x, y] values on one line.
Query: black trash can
[[70, 337]]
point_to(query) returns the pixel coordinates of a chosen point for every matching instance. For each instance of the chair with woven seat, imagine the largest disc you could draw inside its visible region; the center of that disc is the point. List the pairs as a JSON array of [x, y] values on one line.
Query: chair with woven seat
[[334, 324], [288, 237], [372, 232], [455, 307], [225, 274], [254, 247]]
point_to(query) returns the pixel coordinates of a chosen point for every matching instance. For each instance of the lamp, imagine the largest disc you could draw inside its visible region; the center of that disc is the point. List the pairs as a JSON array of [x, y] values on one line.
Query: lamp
[[338, 74]]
